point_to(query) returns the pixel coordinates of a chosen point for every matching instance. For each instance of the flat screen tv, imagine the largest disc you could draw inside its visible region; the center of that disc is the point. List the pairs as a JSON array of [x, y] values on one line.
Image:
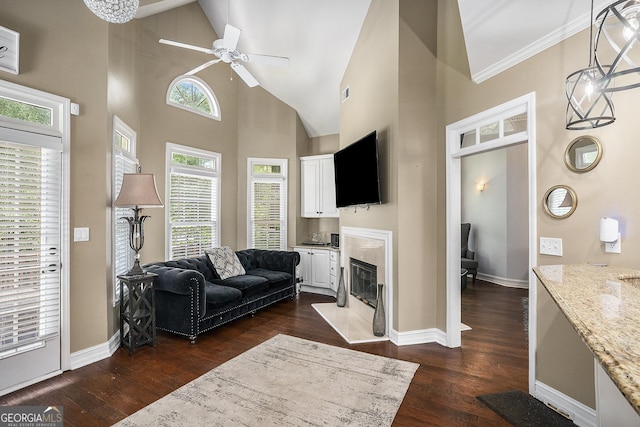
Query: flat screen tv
[[357, 173]]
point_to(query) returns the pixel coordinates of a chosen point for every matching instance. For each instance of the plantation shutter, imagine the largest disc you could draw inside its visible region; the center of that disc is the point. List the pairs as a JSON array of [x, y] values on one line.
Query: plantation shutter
[[268, 216], [123, 254], [30, 236], [193, 207]]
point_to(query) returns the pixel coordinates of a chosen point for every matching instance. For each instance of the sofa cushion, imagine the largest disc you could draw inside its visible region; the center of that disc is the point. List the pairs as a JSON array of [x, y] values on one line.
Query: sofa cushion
[[249, 285], [274, 277], [218, 296], [225, 261]]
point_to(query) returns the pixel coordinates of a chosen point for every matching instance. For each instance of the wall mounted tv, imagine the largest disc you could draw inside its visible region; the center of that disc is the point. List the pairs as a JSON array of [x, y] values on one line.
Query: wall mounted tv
[[357, 173]]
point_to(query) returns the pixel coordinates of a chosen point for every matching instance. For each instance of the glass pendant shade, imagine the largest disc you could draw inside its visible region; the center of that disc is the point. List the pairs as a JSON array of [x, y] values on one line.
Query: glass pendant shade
[[114, 11], [589, 106], [617, 44]]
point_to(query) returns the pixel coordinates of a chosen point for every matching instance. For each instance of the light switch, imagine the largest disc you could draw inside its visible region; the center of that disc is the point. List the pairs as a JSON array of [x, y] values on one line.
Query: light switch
[[81, 234]]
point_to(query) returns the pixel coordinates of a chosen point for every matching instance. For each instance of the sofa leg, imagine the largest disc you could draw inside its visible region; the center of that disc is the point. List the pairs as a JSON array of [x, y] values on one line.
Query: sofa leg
[[193, 338]]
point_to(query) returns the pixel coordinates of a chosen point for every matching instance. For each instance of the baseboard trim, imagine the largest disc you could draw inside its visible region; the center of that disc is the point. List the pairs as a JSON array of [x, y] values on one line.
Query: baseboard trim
[[503, 281], [579, 413], [96, 353], [423, 336]]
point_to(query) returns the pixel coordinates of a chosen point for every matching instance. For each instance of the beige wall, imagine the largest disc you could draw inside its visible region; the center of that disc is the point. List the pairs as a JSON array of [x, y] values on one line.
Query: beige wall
[[123, 70], [159, 64], [64, 51], [562, 361], [373, 105], [397, 97], [267, 128]]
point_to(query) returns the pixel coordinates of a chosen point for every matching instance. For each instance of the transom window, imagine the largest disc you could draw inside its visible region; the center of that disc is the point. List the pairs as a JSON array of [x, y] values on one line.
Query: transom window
[[193, 94]]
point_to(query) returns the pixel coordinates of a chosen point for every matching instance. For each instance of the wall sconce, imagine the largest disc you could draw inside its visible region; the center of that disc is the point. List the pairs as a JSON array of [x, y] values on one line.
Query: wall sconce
[[610, 235], [480, 186]]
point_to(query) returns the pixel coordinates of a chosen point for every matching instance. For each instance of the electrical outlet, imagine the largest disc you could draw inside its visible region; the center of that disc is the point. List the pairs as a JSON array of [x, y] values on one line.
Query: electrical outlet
[[550, 246], [613, 247]]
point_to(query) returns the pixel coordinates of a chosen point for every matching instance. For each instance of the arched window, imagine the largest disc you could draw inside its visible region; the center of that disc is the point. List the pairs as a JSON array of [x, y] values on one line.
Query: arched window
[[193, 94]]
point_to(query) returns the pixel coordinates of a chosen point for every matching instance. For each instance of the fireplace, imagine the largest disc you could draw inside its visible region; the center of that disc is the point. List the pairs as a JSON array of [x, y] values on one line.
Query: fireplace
[[364, 281], [371, 249]]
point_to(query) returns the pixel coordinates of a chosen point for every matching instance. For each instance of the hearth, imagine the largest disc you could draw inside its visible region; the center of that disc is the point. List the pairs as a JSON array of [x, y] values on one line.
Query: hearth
[[364, 281]]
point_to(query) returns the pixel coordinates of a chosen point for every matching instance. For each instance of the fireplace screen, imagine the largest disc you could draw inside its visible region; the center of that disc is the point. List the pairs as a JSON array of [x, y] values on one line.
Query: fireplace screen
[[364, 279]]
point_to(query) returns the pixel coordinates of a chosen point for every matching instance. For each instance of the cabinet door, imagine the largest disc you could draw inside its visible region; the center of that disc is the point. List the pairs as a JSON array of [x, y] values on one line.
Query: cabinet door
[[327, 189], [305, 266], [310, 175], [320, 270]]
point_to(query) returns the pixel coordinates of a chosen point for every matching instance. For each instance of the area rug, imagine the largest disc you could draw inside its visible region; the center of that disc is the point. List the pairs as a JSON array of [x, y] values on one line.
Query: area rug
[[522, 409], [287, 381]]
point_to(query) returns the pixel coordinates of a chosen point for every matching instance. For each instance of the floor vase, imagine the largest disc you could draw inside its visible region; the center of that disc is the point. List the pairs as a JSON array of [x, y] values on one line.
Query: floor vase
[[379, 321], [341, 294]]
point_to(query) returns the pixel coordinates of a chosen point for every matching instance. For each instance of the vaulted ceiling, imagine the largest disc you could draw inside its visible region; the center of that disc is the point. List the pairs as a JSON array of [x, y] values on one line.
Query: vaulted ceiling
[[319, 35]]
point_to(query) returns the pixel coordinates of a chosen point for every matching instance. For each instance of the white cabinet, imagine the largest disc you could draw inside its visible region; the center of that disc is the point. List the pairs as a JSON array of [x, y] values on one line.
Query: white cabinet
[[318, 270], [612, 408], [318, 187]]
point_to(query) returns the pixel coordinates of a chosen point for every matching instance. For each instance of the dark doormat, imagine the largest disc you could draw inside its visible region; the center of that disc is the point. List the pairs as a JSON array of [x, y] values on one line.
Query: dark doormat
[[522, 409]]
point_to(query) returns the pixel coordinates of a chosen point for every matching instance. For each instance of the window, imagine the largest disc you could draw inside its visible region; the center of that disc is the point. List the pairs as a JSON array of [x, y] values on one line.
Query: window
[[124, 161], [267, 222], [193, 195], [193, 94]]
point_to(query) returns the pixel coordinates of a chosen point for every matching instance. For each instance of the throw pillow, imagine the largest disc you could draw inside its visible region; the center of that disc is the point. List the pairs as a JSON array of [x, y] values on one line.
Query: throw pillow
[[226, 262]]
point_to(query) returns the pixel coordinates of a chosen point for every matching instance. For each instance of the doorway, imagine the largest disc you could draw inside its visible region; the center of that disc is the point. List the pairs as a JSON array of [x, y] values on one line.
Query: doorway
[[490, 130], [34, 172]]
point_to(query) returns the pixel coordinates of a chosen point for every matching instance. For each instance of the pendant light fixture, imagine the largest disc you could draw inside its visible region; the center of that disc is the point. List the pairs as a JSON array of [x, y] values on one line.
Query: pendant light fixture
[[589, 106], [619, 25], [114, 11]]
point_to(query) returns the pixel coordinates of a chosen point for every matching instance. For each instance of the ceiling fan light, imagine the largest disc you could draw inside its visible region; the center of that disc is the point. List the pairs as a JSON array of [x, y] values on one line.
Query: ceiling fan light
[[114, 11], [619, 25], [589, 106]]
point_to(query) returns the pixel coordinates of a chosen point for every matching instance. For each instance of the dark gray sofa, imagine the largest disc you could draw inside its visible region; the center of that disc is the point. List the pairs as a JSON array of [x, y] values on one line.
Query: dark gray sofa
[[191, 298]]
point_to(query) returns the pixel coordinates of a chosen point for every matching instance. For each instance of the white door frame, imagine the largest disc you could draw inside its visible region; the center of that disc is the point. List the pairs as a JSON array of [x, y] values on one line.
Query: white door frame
[[525, 104], [60, 127]]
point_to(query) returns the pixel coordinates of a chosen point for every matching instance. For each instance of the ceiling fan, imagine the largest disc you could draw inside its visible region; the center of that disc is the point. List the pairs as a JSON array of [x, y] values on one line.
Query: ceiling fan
[[225, 50]]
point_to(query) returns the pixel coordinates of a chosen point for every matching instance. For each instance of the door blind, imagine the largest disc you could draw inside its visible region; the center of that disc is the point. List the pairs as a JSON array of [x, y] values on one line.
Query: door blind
[[30, 227]]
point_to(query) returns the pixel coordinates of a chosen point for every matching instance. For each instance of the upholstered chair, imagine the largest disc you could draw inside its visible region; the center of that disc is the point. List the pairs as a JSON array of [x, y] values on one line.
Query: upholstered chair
[[467, 257]]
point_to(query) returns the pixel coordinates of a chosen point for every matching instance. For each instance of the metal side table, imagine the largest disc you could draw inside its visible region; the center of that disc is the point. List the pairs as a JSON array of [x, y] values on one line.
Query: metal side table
[[137, 311]]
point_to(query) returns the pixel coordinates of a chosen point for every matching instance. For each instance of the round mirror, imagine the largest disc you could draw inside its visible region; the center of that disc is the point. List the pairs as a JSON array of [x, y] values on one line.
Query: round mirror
[[560, 201], [583, 154]]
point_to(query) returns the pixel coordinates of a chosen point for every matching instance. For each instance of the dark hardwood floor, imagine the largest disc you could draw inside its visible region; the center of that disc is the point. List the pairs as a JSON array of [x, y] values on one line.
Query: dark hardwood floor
[[493, 358]]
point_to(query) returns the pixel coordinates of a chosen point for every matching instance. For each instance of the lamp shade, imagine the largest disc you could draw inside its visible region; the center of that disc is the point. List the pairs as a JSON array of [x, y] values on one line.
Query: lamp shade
[[138, 190]]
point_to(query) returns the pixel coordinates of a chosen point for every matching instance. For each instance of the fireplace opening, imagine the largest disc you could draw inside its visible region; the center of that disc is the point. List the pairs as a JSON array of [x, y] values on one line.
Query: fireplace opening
[[364, 279]]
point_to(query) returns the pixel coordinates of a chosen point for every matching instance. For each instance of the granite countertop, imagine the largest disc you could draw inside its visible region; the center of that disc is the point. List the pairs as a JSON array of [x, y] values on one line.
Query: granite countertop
[[603, 305]]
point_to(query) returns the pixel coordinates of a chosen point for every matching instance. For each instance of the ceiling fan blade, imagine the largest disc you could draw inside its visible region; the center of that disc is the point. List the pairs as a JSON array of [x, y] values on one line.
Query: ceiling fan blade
[[186, 46], [244, 74], [231, 37], [202, 67], [277, 61]]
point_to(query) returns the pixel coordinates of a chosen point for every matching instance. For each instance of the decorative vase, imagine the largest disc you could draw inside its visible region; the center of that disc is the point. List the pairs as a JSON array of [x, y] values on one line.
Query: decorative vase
[[379, 322], [341, 296]]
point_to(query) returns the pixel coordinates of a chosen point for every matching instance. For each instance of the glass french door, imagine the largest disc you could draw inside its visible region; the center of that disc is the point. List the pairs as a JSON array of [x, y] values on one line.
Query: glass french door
[[30, 260]]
